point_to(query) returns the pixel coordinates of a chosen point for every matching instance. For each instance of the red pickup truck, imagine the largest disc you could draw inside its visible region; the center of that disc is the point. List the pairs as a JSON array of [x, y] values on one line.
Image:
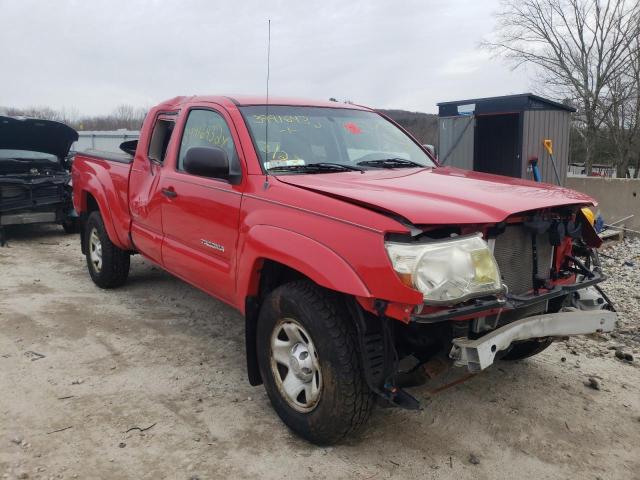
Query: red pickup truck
[[355, 258]]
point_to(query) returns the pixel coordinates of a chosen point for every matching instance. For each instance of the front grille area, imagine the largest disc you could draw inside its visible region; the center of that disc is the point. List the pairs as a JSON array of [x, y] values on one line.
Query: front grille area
[[11, 192], [514, 254], [28, 196], [47, 191]]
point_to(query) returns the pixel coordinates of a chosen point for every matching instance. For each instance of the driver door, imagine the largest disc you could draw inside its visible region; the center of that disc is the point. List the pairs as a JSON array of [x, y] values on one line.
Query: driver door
[[200, 215]]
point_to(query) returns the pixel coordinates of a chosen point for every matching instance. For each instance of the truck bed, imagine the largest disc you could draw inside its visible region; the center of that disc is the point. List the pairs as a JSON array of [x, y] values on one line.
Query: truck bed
[[119, 157], [108, 174]]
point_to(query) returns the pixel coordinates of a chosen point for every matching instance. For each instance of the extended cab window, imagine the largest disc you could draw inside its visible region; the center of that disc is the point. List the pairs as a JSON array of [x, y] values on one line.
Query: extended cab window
[[206, 128], [160, 139]]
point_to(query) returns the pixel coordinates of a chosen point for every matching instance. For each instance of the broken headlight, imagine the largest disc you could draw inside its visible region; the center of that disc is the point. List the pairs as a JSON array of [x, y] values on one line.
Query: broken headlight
[[447, 271]]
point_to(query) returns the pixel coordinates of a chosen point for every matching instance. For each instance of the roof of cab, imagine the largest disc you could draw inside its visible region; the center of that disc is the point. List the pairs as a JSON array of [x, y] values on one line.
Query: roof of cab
[[246, 100]]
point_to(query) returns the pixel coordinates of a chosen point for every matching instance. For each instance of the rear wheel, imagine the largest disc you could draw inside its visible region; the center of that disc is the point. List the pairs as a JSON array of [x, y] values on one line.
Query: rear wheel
[[526, 349], [108, 265], [310, 364]]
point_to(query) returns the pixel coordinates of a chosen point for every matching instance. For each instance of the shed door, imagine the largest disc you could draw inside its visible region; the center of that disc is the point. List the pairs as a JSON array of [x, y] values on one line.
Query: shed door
[[497, 145]]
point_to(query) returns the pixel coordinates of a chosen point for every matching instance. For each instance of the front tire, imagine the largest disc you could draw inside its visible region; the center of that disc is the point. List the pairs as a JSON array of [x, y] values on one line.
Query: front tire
[[310, 364], [526, 349], [108, 265]]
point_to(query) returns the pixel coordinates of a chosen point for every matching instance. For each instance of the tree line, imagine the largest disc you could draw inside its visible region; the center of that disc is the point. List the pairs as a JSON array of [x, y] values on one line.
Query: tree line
[[123, 116]]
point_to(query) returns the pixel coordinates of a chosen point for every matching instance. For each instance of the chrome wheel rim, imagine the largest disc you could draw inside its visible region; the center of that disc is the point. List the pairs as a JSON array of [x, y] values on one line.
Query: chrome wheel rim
[[295, 365], [95, 250]]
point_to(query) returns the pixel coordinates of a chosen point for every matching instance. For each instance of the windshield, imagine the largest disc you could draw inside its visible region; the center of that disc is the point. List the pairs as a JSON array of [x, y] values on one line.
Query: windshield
[[27, 155], [304, 137]]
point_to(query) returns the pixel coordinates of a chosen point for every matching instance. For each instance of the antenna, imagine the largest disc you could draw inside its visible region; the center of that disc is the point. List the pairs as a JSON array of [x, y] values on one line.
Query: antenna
[[266, 131]]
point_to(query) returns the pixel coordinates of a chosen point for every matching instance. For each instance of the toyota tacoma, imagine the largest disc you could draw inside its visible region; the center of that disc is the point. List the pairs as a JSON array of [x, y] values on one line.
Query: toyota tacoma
[[355, 258]]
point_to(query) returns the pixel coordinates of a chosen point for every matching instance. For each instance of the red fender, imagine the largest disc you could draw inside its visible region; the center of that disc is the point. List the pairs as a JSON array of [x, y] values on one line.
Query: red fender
[[108, 204], [309, 257]]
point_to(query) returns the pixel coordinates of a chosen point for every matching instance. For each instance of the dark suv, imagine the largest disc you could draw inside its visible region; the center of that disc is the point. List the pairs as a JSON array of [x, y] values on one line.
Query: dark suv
[[35, 182]]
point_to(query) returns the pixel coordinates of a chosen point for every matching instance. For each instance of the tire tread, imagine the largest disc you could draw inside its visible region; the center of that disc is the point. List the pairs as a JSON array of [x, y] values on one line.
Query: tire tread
[[115, 261], [356, 397]]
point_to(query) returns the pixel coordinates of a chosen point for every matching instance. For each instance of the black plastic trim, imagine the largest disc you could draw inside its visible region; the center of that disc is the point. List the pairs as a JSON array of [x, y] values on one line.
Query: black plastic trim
[[109, 156], [510, 302]]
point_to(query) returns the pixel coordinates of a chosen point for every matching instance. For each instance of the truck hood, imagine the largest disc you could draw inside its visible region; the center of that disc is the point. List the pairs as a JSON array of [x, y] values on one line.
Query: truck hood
[[36, 135], [441, 195]]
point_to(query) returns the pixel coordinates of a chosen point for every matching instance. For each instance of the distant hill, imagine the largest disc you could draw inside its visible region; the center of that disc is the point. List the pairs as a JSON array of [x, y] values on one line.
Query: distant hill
[[424, 126]]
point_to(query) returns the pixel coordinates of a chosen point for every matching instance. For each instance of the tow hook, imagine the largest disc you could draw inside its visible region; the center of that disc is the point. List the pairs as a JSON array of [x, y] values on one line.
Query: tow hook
[[398, 397]]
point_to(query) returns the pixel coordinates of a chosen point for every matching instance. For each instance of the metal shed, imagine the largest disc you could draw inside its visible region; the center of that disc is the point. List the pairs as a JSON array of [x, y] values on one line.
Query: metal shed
[[500, 134]]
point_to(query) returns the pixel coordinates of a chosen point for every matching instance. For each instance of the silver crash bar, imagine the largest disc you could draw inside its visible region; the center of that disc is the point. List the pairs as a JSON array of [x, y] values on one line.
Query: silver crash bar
[[478, 354]]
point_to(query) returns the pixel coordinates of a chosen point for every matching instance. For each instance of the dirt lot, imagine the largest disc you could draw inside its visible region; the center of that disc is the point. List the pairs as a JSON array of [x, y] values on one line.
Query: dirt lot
[[148, 381]]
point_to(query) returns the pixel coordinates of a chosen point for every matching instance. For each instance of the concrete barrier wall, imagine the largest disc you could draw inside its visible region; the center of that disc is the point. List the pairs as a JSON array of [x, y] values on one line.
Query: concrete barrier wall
[[617, 197]]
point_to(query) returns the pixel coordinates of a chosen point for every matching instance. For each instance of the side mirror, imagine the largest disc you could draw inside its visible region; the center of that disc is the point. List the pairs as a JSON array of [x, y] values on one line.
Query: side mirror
[[209, 162], [129, 147], [431, 149]]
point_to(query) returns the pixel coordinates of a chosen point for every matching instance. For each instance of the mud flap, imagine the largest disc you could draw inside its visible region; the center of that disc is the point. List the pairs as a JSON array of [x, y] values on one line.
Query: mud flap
[[250, 336]]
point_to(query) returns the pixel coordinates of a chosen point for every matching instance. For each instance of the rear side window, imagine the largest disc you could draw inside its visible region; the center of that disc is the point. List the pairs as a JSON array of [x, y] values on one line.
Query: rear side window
[[160, 140], [206, 128]]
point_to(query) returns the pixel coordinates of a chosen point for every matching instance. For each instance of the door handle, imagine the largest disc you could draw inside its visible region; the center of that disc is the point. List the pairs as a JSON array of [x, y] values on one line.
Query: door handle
[[169, 192]]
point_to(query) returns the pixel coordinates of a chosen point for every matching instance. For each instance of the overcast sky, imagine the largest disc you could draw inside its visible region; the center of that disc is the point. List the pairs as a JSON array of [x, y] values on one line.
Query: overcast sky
[[92, 55]]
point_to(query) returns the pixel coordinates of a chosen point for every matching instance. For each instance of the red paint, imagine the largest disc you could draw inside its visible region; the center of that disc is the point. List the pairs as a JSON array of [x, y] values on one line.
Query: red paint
[[318, 225], [353, 128], [561, 253]]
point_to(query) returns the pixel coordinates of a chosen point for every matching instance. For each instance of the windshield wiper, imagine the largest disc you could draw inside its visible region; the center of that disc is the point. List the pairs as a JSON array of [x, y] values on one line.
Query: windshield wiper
[[341, 166], [390, 163], [317, 167]]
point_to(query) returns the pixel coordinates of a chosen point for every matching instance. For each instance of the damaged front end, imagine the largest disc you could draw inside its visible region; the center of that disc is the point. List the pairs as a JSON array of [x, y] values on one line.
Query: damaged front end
[[548, 265], [35, 184], [35, 198]]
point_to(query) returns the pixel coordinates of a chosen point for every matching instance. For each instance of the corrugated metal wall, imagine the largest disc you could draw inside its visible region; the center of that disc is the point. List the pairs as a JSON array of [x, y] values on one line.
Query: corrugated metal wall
[[541, 124], [456, 141]]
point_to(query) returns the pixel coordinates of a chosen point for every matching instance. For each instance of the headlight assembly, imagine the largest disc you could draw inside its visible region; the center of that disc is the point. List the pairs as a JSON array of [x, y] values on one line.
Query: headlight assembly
[[447, 271]]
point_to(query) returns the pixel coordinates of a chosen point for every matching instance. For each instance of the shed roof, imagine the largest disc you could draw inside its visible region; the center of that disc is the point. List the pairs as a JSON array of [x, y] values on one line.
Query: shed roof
[[504, 104]]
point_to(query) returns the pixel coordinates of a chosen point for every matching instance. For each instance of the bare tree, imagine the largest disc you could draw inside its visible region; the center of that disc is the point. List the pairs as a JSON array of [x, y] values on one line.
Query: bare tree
[[623, 113], [124, 116], [44, 113], [579, 48]]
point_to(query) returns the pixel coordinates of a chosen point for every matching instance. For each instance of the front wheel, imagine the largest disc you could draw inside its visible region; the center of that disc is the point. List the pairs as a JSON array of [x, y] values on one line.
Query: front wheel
[[309, 362], [108, 265], [526, 349]]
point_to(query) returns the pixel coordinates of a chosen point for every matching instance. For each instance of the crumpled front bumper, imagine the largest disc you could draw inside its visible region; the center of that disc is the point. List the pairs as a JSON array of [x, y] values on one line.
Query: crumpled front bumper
[[478, 354]]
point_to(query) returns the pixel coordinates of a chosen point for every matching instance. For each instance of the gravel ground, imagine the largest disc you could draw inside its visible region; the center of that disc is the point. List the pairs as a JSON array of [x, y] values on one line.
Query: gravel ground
[[621, 263], [148, 381]]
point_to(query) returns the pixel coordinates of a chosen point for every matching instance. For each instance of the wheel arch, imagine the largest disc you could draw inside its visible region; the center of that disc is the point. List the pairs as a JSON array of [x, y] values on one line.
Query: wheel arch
[[90, 201], [87, 205], [273, 256]]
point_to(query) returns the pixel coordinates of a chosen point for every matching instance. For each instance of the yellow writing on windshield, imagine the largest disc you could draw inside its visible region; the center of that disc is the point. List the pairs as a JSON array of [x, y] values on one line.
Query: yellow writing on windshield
[[275, 152], [298, 119]]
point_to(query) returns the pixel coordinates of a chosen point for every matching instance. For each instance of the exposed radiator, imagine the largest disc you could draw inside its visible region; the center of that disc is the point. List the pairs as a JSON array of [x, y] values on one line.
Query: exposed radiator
[[513, 252]]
